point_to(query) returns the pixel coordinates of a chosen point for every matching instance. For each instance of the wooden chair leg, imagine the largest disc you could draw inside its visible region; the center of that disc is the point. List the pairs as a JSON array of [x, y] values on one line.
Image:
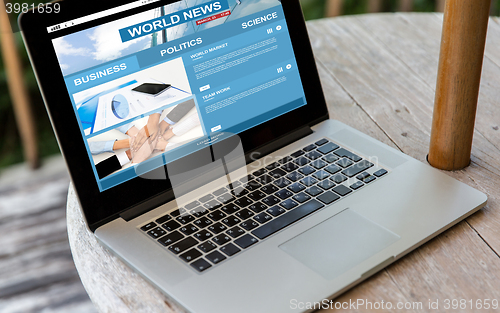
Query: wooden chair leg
[[374, 6], [459, 75], [18, 92], [405, 5], [440, 5], [333, 8]]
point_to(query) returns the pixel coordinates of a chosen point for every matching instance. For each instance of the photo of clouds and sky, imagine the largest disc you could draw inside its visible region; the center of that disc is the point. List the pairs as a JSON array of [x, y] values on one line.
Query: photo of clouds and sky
[[101, 44]]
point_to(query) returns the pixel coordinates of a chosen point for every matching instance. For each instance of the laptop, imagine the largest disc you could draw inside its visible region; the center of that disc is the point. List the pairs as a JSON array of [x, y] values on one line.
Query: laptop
[[199, 144]]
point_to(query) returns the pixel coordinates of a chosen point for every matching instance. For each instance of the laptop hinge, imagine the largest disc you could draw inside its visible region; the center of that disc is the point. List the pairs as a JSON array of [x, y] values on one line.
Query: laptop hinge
[[278, 143]]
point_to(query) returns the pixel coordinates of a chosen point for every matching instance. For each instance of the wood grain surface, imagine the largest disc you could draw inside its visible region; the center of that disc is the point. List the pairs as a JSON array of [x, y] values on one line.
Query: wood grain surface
[[379, 76]]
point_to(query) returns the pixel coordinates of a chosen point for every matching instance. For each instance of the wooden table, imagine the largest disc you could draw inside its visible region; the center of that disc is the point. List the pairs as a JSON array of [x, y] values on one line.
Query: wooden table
[[379, 76]]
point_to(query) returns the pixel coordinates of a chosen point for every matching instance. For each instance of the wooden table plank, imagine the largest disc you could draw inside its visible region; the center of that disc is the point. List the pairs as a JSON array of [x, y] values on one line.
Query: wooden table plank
[[398, 97]]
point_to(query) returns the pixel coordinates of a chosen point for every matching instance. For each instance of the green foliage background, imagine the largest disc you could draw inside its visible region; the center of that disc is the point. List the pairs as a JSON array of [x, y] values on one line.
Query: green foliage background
[[10, 142]]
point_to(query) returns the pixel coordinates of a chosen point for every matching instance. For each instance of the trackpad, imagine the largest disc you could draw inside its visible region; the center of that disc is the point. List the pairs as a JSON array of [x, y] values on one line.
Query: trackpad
[[338, 244]]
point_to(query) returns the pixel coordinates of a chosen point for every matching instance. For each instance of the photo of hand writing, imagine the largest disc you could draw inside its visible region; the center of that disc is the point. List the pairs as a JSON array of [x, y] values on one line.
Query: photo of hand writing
[[145, 138]]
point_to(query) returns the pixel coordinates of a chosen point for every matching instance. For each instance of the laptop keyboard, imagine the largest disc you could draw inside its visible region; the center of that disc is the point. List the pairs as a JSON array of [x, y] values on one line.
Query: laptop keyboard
[[221, 224]]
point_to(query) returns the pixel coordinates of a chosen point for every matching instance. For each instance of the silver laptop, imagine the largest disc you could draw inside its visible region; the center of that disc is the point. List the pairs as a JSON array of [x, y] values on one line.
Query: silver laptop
[[198, 141]]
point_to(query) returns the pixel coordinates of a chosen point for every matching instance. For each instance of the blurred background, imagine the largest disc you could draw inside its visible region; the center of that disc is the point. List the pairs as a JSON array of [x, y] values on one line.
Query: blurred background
[[37, 273]]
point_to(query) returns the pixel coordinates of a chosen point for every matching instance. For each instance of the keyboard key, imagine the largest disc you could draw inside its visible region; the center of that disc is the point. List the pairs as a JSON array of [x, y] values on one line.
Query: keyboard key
[[215, 257], [328, 197], [217, 228], [357, 168], [321, 142], [306, 170], [217, 215], [245, 241], [231, 208], [285, 160], [225, 198], [199, 211], [233, 185], [170, 238], [345, 162], [277, 173], [269, 189], [230, 249], [264, 179], [290, 167], [191, 205], [309, 148], [246, 179], [207, 246], [175, 213], [253, 185], [318, 164], [301, 197], [308, 181], [320, 175], [219, 192], [270, 201], [328, 148], [380, 173], [235, 232], [276, 210], [202, 222], [314, 191], [206, 198], [171, 225], [338, 178], [301, 161], [297, 154], [163, 219], [190, 255], [221, 239], [288, 204], [240, 191], [231, 221], [262, 218], [258, 207], [283, 194], [362, 175], [256, 195], [297, 187], [326, 184], [188, 229], [287, 219], [244, 214], [243, 202], [314, 155], [184, 219], [149, 226], [183, 245], [369, 179], [200, 265], [342, 190], [330, 158], [332, 169], [294, 176], [259, 172], [212, 205], [356, 185], [272, 166], [249, 225], [203, 235], [282, 182], [347, 154]]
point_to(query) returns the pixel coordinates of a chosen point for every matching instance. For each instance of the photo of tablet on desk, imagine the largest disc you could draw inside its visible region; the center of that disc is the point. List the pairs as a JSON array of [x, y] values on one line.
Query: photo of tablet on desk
[[152, 89]]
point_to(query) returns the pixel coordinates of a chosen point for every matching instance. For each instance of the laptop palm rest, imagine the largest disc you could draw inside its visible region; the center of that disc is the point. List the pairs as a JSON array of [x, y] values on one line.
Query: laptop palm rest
[[339, 243]]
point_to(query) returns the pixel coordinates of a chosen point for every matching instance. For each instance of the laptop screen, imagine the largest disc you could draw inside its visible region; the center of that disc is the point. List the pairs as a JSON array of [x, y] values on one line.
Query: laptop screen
[[152, 87]]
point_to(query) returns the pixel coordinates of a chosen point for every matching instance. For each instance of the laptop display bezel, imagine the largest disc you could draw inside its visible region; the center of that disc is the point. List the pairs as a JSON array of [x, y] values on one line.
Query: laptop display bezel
[[102, 207]]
